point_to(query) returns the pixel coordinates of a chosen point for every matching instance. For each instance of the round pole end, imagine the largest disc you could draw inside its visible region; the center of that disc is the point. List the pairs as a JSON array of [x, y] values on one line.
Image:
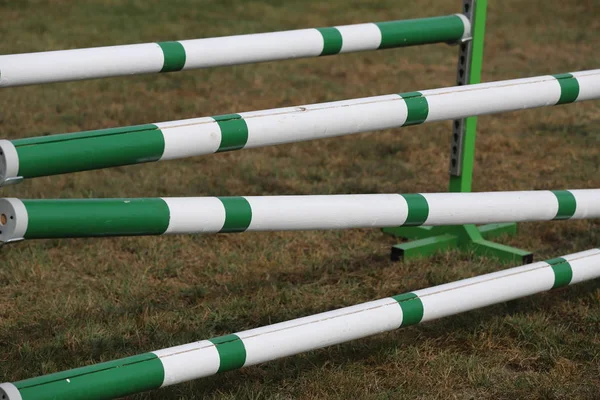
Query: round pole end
[[9, 163], [467, 32], [8, 391], [13, 221]]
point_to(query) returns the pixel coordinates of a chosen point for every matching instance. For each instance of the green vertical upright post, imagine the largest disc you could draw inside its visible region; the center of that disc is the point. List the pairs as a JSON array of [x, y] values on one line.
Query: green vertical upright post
[[428, 240], [469, 72]]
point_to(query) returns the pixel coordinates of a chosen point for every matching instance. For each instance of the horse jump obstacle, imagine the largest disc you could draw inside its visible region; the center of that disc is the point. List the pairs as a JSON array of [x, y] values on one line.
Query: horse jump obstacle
[[41, 219], [79, 151], [224, 353], [169, 366], [466, 29], [102, 62]]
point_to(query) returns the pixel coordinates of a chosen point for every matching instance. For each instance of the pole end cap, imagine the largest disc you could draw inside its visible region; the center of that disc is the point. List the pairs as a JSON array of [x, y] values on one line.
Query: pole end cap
[[13, 221], [9, 164], [8, 391]]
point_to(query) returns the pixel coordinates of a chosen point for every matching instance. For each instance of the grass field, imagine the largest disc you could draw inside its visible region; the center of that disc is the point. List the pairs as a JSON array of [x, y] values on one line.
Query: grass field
[[69, 303]]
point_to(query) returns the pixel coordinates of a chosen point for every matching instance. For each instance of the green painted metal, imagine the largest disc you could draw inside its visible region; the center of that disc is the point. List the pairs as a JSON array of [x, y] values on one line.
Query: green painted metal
[[463, 183], [423, 247], [469, 238], [429, 240], [412, 233], [491, 231], [499, 251]]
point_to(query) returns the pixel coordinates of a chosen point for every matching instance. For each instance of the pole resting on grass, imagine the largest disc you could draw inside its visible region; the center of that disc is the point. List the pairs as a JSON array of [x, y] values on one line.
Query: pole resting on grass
[[40, 219], [102, 62], [80, 151], [224, 353]]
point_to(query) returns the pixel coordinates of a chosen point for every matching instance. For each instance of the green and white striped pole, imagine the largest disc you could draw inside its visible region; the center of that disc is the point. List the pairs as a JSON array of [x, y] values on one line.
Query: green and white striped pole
[[102, 62], [72, 152], [39, 219], [224, 353]]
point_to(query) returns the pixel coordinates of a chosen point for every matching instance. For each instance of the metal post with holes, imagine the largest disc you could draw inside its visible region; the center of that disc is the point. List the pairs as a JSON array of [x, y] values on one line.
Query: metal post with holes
[[429, 240], [470, 61]]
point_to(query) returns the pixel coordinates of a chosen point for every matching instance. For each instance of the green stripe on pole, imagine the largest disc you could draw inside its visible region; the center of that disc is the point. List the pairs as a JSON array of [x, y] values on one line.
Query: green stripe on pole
[[412, 308], [417, 106], [566, 204], [418, 209], [420, 31], [234, 132], [80, 135], [238, 214], [107, 380], [91, 152], [96, 217], [569, 88], [563, 273], [232, 353], [174, 55], [332, 41]]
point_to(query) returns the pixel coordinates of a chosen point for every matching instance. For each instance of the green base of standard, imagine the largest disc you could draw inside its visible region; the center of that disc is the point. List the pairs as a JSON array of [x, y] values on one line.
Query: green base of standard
[[429, 240]]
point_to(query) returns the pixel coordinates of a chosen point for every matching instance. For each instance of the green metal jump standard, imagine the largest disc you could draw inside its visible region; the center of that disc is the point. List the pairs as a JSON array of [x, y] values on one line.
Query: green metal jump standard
[[428, 240]]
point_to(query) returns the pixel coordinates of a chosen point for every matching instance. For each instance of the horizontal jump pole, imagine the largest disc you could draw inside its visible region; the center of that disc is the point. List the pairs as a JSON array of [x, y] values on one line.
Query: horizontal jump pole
[[148, 58], [224, 353], [80, 151], [40, 219]]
